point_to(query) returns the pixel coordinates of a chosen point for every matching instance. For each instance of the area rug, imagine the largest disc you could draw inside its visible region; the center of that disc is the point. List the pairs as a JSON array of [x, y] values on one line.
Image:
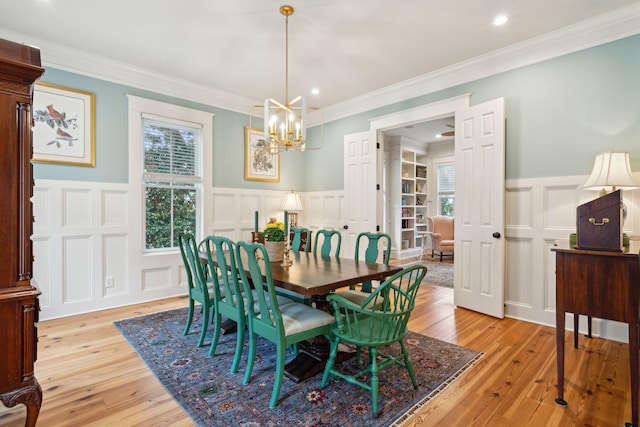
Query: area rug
[[214, 397], [438, 273]]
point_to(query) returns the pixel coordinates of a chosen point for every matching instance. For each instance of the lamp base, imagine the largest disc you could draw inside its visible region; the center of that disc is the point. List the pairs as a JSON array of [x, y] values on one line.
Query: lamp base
[[293, 219]]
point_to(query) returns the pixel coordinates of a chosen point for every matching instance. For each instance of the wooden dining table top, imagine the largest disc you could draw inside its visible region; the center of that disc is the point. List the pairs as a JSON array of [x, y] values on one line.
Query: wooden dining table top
[[312, 274]]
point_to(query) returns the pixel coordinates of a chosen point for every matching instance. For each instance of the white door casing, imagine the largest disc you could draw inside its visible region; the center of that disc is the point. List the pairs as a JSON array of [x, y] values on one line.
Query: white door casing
[[480, 208], [360, 172]]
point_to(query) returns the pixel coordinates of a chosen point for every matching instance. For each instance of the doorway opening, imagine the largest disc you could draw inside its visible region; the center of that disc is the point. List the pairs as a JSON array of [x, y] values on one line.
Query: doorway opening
[[418, 182]]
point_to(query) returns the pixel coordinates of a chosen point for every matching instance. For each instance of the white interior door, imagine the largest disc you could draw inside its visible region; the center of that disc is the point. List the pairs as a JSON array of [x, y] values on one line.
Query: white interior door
[[360, 171], [480, 194]]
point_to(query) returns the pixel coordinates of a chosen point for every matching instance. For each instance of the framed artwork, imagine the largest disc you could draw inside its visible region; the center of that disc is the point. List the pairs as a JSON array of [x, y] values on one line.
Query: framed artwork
[[259, 163], [63, 129]]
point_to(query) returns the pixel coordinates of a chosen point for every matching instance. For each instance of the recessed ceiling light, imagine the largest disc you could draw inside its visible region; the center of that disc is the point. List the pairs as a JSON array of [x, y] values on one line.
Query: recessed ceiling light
[[500, 20], [315, 91], [439, 135]]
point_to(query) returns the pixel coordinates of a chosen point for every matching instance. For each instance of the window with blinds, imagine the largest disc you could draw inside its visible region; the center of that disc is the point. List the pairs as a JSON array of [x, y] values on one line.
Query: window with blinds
[[446, 181], [172, 180]]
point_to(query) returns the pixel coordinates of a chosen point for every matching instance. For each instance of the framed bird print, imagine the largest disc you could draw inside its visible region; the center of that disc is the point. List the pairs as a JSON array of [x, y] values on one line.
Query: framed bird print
[[63, 130], [260, 164]]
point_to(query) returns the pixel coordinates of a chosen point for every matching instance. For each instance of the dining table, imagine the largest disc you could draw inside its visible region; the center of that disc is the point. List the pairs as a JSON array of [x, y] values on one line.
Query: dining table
[[315, 276]]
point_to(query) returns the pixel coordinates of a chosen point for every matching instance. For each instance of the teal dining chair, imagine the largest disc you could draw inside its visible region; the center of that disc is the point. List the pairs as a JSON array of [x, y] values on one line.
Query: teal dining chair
[[297, 242], [284, 325], [374, 243], [200, 285], [327, 238], [229, 294], [378, 321]]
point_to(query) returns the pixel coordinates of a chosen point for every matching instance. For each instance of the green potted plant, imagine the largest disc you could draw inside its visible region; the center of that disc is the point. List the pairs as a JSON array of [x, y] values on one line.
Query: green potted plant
[[274, 240], [274, 231]]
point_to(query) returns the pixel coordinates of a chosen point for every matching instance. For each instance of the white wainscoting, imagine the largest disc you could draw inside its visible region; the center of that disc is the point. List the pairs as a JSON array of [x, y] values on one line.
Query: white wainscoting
[[82, 235], [538, 212]]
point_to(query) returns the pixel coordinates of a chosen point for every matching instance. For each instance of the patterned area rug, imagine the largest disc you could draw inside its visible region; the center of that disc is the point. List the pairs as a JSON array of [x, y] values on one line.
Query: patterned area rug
[[438, 273], [214, 397]]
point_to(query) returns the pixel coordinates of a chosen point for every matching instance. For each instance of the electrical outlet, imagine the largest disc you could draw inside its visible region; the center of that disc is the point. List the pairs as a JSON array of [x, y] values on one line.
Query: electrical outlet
[[108, 282]]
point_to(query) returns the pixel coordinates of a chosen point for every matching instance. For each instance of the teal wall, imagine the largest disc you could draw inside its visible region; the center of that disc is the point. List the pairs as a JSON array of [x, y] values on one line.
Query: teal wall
[[560, 114], [111, 139]]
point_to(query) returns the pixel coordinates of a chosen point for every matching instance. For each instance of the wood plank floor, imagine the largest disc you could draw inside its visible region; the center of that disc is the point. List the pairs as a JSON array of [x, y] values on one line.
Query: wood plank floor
[[90, 375]]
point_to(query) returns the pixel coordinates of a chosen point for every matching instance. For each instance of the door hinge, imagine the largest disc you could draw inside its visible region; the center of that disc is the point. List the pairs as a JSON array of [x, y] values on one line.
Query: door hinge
[[378, 187], [378, 145], [377, 228]]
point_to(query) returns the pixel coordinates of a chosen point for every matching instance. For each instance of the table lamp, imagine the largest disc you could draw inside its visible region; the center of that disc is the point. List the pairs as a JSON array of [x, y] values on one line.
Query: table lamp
[[292, 205], [611, 172]]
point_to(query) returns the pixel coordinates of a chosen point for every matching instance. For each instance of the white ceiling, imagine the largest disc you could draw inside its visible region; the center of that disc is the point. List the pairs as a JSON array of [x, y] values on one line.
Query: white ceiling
[[345, 48]]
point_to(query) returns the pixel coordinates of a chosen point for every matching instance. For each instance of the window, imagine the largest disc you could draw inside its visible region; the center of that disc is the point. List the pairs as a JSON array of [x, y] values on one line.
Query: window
[[446, 188], [172, 180]]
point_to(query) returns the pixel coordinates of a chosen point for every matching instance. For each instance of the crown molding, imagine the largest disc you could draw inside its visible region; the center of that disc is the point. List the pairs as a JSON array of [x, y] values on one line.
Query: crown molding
[[605, 28], [611, 26], [91, 65]]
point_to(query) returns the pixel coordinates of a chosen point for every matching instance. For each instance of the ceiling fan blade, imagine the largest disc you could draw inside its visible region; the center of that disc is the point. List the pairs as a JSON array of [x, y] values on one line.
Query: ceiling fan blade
[[451, 126], [450, 133]]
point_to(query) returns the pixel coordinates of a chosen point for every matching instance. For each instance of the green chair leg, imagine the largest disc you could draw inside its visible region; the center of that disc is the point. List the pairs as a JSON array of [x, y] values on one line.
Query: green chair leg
[[189, 318], [409, 365], [280, 354], [250, 358], [374, 380], [332, 359], [205, 326], [239, 346], [216, 333]]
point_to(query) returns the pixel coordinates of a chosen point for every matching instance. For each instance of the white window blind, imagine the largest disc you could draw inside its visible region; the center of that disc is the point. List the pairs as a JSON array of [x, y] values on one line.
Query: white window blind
[[171, 152], [446, 178], [446, 189]]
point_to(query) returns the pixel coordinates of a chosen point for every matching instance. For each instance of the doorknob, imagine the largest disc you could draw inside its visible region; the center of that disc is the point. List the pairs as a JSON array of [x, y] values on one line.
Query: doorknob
[[496, 235], [346, 227]]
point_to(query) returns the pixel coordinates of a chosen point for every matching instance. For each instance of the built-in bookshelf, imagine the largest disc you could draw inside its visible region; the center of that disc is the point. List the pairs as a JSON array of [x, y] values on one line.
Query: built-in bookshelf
[[408, 181]]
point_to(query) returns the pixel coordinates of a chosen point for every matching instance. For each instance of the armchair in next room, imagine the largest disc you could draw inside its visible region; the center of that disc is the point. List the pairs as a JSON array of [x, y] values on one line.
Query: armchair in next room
[[441, 232]]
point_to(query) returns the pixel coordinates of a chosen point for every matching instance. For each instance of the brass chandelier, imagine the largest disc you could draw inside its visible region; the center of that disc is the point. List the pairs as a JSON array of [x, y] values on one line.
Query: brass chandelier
[[285, 123]]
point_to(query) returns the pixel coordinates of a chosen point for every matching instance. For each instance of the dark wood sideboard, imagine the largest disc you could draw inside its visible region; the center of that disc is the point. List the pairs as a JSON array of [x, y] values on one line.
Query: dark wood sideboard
[[19, 69], [600, 284]]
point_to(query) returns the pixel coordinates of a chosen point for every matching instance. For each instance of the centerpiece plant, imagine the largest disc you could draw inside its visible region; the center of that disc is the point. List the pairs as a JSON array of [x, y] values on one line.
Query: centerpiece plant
[[274, 231]]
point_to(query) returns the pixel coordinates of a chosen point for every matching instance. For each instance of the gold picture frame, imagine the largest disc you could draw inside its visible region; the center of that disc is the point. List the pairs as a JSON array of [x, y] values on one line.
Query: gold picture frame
[[259, 163], [63, 130]]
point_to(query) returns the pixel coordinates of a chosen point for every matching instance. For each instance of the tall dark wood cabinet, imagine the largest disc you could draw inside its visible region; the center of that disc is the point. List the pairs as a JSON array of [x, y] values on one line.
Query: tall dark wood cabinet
[[19, 68]]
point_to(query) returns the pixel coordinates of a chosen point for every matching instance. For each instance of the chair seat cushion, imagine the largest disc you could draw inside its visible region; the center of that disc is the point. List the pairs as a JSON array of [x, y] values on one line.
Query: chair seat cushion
[[446, 245], [299, 318], [356, 297]]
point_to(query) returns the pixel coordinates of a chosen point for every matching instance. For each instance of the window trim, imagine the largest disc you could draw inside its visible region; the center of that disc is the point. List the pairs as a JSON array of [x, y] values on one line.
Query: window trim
[[175, 114]]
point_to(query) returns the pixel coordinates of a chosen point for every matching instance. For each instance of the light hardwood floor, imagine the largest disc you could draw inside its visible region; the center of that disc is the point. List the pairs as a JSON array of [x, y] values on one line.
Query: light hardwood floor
[[90, 375]]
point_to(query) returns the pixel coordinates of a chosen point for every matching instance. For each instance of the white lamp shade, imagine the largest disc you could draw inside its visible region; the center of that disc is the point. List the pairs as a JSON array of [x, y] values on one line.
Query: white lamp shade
[[292, 203], [611, 170]]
